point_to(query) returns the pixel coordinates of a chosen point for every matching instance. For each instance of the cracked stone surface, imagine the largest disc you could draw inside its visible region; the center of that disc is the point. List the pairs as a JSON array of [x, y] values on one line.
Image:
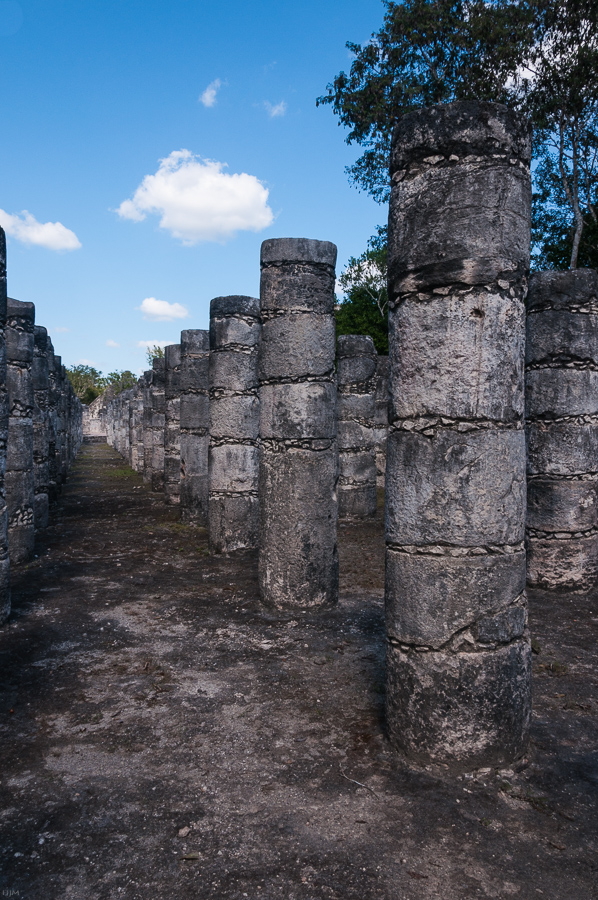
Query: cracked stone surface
[[165, 736]]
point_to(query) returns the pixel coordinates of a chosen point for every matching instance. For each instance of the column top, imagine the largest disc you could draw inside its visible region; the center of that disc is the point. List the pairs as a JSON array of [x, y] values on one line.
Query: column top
[[562, 290], [195, 340], [234, 305], [290, 250], [463, 128], [22, 309]]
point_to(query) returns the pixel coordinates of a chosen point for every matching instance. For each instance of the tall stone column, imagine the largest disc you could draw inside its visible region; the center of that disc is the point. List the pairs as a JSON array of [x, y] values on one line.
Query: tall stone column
[[172, 432], [4, 561], [356, 371], [298, 557], [41, 428], [194, 425], [53, 396], [20, 490], [458, 660], [562, 429], [233, 465], [157, 419], [381, 418]]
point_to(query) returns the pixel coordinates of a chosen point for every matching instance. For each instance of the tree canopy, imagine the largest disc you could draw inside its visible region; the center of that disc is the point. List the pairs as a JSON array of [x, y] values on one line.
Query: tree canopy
[[88, 383], [363, 308], [537, 56]]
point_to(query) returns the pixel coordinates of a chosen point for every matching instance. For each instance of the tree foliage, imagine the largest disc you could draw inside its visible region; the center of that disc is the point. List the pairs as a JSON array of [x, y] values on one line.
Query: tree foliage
[[88, 383], [155, 352], [364, 307], [537, 56]]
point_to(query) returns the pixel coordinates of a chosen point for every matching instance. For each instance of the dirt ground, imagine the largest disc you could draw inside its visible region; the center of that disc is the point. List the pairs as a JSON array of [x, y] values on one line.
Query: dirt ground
[[162, 736]]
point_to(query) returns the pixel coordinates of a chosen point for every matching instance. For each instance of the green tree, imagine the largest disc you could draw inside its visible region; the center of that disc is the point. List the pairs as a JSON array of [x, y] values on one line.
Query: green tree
[[364, 307], [120, 380], [155, 352], [537, 56], [87, 382]]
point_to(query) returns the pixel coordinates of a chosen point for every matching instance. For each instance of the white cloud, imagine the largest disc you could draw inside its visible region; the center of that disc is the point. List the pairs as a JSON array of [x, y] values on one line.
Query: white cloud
[[198, 201], [60, 329], [111, 343], [208, 98], [26, 228], [161, 310], [275, 110], [146, 344]]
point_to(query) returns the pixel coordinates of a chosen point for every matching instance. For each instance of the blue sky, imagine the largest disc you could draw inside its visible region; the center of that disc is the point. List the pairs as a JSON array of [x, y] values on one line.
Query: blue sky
[[95, 93]]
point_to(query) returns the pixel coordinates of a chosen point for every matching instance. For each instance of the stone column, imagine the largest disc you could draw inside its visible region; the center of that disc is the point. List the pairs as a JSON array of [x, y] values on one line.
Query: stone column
[[20, 491], [356, 370], [172, 432], [41, 428], [136, 428], [381, 418], [157, 418], [458, 660], [298, 558], [194, 424], [53, 395], [235, 328], [4, 561], [562, 429]]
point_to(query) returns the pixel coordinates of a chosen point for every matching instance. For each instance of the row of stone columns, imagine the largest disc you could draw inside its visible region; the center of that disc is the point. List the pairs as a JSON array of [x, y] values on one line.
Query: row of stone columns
[[278, 414], [40, 430]]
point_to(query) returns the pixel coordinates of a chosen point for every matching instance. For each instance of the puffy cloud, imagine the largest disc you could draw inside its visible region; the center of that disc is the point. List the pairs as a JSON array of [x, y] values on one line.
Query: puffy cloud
[[26, 228], [161, 310], [145, 345], [208, 98], [60, 329], [275, 110], [198, 201], [111, 343]]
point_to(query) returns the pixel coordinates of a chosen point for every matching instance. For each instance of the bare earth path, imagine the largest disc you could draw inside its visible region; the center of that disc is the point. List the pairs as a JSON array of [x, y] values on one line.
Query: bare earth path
[[143, 691]]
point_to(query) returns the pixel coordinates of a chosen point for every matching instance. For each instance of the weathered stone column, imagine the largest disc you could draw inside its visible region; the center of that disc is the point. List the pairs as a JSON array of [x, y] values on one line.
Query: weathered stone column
[[136, 428], [4, 561], [381, 418], [298, 558], [20, 491], [172, 432], [233, 465], [53, 438], [41, 428], [356, 370], [157, 423], [562, 428], [194, 425], [458, 662]]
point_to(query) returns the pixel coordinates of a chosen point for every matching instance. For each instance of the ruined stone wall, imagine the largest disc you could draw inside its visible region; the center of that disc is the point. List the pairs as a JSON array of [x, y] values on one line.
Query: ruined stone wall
[[562, 429], [41, 427], [459, 659]]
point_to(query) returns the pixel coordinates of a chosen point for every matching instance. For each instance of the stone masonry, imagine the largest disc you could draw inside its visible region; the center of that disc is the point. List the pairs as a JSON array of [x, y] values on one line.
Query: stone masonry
[[172, 431], [356, 379], [562, 429], [194, 425], [4, 560], [458, 659], [235, 328], [20, 490], [298, 557]]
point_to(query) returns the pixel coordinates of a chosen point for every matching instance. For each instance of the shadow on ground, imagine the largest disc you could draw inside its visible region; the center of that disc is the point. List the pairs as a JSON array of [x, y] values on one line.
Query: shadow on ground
[[164, 737]]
